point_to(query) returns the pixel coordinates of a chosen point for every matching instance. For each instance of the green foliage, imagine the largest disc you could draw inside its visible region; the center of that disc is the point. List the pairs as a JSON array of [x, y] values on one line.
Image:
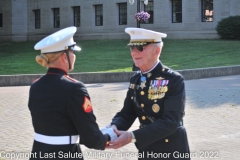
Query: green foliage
[[229, 28], [114, 55]]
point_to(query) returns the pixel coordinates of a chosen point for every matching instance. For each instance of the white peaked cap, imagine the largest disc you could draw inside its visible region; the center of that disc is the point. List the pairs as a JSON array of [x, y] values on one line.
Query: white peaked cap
[[58, 41], [140, 35]]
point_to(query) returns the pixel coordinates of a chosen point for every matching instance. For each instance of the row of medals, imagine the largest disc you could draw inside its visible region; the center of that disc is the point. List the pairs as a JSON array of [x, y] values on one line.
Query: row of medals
[[157, 92]]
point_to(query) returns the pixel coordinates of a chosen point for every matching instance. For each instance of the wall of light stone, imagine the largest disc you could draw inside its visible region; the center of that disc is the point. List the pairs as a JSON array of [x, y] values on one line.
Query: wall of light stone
[[19, 19]]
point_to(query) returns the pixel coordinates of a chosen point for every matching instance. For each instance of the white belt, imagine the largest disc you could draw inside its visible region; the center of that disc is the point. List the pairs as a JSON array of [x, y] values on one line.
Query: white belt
[[56, 140]]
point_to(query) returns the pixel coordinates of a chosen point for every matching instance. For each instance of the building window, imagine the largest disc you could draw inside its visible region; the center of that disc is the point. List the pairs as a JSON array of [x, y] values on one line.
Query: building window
[[1, 20], [98, 15], [177, 11], [77, 16], [149, 8], [37, 19], [56, 17], [122, 13], [207, 10]]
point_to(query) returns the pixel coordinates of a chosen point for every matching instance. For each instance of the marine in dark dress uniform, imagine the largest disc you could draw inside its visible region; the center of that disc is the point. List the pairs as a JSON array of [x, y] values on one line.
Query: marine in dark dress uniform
[[156, 96], [60, 106]]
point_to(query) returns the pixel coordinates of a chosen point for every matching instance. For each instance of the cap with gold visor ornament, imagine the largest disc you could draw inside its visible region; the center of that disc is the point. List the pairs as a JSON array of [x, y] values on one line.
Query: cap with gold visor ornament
[[140, 36], [61, 40], [58, 41]]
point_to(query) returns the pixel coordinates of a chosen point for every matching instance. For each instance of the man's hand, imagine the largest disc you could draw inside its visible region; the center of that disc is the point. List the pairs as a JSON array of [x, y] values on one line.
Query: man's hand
[[123, 139]]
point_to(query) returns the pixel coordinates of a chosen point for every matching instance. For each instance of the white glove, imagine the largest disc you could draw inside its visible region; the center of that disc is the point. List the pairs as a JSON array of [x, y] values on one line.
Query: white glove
[[110, 132], [110, 126]]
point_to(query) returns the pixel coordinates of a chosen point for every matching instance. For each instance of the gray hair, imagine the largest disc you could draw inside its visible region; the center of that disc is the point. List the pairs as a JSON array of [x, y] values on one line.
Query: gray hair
[[159, 44]]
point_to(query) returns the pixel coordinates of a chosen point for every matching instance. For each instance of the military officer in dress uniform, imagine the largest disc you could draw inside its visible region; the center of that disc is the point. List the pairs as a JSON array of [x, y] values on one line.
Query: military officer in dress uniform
[[156, 96], [60, 106]]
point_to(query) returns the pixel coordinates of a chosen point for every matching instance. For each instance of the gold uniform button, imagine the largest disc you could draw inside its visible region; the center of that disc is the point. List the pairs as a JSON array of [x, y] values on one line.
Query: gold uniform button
[[166, 140], [142, 105], [142, 93], [131, 97], [143, 118]]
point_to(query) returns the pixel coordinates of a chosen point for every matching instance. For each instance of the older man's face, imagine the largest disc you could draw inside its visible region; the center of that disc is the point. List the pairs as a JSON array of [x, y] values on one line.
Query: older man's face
[[146, 58]]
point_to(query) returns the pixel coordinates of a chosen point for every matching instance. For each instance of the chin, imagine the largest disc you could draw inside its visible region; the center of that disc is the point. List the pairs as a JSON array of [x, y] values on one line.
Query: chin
[[137, 64], [71, 69]]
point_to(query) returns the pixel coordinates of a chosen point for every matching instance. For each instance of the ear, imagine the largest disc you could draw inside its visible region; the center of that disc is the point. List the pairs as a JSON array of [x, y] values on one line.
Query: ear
[[64, 58], [158, 50]]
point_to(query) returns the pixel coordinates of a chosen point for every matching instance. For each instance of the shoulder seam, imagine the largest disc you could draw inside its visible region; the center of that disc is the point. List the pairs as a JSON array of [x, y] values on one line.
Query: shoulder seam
[[70, 78], [36, 80]]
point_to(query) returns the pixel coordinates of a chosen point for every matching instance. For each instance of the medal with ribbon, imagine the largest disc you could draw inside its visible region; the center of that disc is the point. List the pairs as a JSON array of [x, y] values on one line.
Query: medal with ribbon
[[143, 82]]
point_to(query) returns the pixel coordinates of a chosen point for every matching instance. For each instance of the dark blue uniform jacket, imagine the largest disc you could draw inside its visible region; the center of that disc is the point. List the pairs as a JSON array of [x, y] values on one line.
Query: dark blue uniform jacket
[[161, 94], [56, 106]]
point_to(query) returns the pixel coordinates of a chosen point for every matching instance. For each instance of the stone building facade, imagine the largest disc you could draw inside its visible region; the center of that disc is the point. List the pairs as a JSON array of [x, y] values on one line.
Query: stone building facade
[[31, 20]]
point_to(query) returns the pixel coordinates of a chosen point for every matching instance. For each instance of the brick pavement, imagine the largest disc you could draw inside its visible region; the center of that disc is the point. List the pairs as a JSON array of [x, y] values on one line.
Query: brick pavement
[[212, 118]]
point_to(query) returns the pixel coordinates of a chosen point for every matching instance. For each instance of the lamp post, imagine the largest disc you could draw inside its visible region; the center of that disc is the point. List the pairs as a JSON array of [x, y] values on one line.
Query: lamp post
[[138, 8]]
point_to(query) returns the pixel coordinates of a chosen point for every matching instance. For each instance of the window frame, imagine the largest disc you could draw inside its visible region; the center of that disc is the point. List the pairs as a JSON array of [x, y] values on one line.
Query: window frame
[[98, 15], [1, 19], [203, 9], [77, 16], [37, 16], [122, 20], [176, 12], [151, 12], [56, 17]]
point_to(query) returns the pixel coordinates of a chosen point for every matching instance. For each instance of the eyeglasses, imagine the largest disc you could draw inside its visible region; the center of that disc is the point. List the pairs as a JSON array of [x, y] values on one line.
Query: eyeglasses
[[139, 48]]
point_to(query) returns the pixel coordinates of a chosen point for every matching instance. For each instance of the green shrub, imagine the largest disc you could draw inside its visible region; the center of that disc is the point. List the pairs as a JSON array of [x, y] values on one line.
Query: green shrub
[[229, 28]]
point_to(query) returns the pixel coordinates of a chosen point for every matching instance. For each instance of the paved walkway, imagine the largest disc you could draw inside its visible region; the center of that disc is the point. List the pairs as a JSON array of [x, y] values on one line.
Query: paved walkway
[[212, 119]]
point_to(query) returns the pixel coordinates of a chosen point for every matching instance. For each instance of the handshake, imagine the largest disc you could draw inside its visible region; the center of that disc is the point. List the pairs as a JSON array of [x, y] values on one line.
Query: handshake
[[117, 138], [109, 131]]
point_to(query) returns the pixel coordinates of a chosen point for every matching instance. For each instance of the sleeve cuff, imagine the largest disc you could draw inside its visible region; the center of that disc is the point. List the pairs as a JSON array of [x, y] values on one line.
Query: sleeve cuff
[[133, 138]]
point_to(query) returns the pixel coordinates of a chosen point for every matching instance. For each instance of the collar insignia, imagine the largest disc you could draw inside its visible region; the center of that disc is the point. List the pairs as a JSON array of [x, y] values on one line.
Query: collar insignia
[[149, 75]]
